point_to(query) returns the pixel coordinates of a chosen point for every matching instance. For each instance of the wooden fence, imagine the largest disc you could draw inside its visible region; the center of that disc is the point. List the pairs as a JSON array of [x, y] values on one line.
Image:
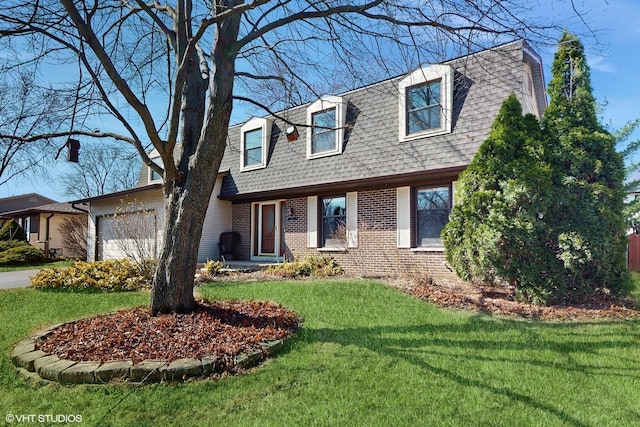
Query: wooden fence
[[633, 253]]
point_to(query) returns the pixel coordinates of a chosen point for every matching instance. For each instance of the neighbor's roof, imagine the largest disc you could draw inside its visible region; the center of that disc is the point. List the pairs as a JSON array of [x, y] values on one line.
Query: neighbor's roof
[[23, 201], [59, 208]]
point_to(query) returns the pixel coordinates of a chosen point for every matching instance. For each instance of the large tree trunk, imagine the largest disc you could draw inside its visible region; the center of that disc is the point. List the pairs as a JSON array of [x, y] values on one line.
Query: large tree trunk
[[185, 209], [202, 144]]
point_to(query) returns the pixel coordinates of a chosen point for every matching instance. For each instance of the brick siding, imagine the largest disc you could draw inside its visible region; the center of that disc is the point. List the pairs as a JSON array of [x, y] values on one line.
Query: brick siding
[[377, 254]]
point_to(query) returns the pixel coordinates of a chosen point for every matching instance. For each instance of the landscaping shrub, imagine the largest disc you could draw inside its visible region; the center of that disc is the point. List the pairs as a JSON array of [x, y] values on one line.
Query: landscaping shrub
[[110, 275], [5, 245], [312, 265], [213, 268], [209, 270], [14, 252], [11, 230]]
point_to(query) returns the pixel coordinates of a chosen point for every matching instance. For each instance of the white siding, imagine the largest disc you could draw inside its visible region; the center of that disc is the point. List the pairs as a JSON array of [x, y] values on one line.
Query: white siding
[[218, 220]]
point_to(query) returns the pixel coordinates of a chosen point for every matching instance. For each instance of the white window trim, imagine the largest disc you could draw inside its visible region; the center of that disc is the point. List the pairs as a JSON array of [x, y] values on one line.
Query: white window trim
[[312, 221], [251, 125], [351, 202], [441, 72], [403, 215], [322, 104]]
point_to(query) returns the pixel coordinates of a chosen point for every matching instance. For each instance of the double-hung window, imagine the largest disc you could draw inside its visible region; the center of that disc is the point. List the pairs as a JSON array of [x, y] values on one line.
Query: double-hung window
[[254, 143], [323, 132], [422, 213], [426, 102], [432, 214], [326, 121], [334, 221], [252, 147], [424, 111]]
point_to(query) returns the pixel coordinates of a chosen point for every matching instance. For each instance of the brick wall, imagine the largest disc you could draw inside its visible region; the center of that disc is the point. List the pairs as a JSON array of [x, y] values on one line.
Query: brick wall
[[377, 253], [241, 222]]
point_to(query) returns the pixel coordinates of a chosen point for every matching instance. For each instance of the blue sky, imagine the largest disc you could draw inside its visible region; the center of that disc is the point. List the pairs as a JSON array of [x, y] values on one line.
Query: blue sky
[[611, 36]]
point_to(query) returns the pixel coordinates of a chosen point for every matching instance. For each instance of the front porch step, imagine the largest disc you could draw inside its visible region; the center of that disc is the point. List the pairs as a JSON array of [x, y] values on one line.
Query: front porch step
[[247, 266]]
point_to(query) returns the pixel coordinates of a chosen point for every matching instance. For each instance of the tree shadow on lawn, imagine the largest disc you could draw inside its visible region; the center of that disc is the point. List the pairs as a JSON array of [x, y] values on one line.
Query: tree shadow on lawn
[[526, 337]]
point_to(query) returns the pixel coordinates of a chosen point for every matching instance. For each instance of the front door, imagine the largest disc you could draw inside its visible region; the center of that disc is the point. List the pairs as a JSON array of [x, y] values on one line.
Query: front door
[[268, 229]]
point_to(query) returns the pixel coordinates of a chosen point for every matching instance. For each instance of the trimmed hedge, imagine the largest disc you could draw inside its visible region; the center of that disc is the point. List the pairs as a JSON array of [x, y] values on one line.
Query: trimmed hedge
[[15, 252], [110, 275]]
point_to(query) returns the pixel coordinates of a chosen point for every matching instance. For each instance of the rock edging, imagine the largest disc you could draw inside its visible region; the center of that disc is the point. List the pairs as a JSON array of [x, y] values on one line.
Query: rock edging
[[30, 361]]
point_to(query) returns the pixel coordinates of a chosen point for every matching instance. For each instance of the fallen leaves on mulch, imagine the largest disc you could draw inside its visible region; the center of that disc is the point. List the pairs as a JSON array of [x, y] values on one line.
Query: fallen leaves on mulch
[[500, 300], [221, 329]]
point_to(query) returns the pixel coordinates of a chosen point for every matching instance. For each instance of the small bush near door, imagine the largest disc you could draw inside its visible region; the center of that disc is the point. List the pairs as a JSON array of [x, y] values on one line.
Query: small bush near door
[[312, 265]]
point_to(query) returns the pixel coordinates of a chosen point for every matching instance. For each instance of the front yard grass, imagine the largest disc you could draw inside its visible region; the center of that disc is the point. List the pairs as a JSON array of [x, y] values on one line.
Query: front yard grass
[[63, 263], [366, 355]]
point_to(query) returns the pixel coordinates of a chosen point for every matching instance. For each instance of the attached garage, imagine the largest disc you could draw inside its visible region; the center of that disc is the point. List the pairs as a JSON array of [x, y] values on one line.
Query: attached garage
[[127, 235], [132, 222]]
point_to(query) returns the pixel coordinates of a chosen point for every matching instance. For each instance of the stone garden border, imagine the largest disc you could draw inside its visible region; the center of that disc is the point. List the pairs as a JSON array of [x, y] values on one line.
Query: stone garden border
[[31, 361]]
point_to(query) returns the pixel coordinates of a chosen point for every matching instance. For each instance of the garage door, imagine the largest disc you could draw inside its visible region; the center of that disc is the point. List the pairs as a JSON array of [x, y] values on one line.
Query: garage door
[[130, 235]]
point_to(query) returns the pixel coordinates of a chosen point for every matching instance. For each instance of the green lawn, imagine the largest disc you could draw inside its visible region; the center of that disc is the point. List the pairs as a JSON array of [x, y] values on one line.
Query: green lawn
[[64, 263], [367, 355]]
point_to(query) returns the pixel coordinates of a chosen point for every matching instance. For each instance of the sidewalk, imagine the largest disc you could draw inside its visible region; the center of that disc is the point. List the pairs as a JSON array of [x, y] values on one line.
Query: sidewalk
[[16, 279]]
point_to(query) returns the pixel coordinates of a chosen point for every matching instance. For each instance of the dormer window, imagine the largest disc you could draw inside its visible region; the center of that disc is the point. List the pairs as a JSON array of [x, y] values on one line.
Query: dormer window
[[154, 177], [326, 119], [255, 136], [424, 111], [426, 102], [323, 133]]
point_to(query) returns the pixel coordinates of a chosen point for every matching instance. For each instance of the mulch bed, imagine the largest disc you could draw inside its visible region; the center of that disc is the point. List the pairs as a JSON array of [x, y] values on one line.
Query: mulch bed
[[219, 329], [500, 300]]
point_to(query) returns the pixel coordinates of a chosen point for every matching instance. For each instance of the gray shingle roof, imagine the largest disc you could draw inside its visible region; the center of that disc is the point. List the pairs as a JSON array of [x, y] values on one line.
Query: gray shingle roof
[[372, 148]]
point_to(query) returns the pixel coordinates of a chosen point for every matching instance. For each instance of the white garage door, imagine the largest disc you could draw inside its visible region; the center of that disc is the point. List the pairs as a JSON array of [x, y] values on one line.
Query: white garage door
[[131, 235]]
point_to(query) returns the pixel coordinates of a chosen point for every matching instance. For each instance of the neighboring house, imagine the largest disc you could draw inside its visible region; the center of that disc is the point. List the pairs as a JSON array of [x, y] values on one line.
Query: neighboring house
[[366, 176], [23, 201], [42, 225]]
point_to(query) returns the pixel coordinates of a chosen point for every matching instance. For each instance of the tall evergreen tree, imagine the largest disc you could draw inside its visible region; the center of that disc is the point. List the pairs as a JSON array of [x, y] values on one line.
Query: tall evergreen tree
[[497, 228], [543, 208], [588, 176]]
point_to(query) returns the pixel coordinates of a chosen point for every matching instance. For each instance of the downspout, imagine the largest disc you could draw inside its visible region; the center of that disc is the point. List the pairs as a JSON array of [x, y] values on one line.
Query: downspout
[[88, 212], [46, 233]]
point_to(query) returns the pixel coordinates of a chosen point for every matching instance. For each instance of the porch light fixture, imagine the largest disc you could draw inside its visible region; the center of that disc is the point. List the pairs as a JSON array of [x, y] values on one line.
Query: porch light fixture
[[292, 133]]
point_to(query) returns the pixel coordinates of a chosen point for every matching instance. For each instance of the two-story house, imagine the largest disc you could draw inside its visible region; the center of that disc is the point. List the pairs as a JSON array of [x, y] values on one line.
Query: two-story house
[[367, 176]]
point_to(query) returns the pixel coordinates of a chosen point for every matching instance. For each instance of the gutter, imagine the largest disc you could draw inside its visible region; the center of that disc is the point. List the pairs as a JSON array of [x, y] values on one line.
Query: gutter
[[73, 205]]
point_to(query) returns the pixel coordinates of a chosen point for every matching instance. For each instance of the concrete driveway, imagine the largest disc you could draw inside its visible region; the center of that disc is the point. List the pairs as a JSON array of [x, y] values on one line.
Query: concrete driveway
[[15, 279]]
